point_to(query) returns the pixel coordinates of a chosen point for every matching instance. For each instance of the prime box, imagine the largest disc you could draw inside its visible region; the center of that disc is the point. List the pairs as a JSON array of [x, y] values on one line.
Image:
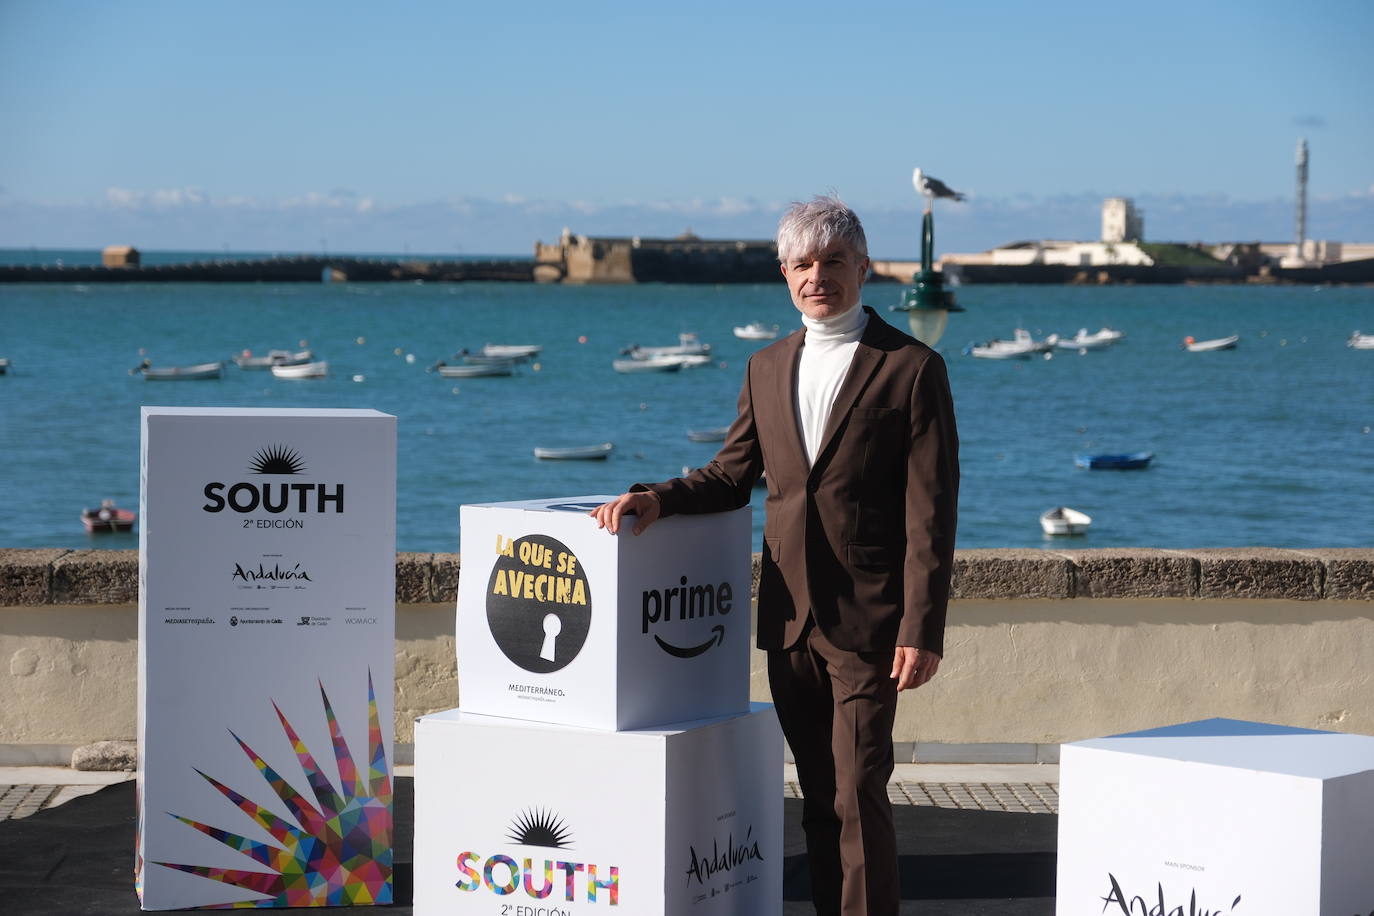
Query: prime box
[[561, 622]]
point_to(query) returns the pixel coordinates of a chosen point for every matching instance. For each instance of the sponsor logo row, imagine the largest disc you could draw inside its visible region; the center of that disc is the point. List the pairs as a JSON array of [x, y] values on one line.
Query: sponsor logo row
[[264, 616]]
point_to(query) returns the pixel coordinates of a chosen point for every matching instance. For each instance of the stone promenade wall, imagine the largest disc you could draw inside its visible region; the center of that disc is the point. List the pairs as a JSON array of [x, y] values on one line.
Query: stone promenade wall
[[1043, 646]]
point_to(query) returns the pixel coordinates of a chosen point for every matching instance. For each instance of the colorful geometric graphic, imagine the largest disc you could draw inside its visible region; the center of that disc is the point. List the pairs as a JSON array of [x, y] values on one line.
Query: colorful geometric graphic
[[338, 854]]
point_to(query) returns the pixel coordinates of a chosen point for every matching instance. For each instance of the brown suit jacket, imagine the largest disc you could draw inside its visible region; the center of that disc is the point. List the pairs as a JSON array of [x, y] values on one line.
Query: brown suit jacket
[[864, 538]]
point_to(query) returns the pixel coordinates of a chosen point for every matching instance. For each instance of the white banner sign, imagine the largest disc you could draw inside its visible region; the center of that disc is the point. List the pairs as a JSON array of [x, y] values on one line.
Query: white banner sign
[[266, 640]]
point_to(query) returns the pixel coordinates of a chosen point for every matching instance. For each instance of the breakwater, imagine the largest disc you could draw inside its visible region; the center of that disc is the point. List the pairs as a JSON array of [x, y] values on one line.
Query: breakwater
[[299, 269]]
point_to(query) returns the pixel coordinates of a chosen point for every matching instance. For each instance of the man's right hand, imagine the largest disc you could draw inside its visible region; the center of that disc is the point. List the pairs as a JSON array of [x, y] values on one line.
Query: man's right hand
[[644, 506]]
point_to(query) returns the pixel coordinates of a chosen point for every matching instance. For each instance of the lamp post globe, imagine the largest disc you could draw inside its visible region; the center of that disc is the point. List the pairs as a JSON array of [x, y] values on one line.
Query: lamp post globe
[[927, 304]]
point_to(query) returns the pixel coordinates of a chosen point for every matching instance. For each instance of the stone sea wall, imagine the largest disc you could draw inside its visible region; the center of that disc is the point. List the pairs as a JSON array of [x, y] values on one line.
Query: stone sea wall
[[1043, 646]]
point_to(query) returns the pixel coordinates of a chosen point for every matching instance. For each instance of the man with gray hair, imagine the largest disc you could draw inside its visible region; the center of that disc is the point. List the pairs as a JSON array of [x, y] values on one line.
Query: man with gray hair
[[854, 424]]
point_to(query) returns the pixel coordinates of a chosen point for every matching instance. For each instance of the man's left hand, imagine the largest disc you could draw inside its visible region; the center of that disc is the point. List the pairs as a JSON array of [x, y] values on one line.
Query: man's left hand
[[912, 667]]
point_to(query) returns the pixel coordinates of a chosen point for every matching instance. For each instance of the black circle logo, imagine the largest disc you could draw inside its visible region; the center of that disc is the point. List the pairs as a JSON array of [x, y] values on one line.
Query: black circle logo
[[539, 607]]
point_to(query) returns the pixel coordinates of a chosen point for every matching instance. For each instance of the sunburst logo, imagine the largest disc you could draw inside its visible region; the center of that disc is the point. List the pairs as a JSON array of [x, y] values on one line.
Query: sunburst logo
[[338, 852], [277, 459], [540, 828]]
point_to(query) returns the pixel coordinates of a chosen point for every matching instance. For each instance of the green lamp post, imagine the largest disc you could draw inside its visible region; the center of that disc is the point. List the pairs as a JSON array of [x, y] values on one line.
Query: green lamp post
[[927, 303]]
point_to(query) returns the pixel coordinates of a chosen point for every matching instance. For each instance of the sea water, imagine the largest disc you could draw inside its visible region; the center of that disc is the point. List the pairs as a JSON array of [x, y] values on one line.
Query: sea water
[[1268, 444]]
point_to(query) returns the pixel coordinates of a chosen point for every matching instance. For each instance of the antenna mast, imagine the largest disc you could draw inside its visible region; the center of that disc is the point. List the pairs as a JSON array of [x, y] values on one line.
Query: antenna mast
[[1302, 195]]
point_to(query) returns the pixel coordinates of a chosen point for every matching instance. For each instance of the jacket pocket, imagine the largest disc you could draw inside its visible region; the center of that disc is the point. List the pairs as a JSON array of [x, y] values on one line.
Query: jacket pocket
[[868, 556], [874, 413]]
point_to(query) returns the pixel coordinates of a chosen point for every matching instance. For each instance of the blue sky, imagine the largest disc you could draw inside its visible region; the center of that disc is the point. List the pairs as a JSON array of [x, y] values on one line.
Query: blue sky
[[479, 127]]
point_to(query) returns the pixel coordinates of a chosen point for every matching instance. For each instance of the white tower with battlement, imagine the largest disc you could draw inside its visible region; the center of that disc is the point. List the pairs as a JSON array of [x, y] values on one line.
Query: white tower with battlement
[[1121, 221]]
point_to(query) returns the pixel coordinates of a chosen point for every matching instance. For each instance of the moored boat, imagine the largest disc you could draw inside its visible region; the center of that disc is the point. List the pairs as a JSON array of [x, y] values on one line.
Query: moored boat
[[575, 453], [1202, 346], [688, 344], [1022, 337], [1357, 341], [654, 364], [1000, 349], [1063, 520], [303, 370], [515, 351], [108, 518], [708, 435], [477, 359], [756, 330], [1129, 461], [1098, 340], [477, 370], [180, 373], [246, 359], [4, 365]]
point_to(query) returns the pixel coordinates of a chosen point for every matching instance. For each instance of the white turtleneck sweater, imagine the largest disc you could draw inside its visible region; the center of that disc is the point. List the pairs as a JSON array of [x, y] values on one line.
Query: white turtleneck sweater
[[825, 357]]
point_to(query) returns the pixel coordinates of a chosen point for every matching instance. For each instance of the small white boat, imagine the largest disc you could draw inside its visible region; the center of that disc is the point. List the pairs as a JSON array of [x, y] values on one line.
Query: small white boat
[[512, 351], [1000, 349], [756, 330], [476, 359], [1063, 520], [4, 365], [1357, 341], [1220, 343], [576, 453], [655, 364], [687, 345], [302, 370], [477, 370], [246, 359], [1098, 340], [181, 373], [708, 435], [1023, 338]]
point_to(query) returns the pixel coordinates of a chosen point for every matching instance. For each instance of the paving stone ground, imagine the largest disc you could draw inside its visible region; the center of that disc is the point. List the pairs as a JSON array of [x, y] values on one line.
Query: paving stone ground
[[21, 801], [1032, 797], [1027, 798]]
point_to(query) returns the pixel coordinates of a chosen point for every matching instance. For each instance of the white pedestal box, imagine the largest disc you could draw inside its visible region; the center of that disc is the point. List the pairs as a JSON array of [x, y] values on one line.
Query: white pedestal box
[[267, 557], [1217, 817], [559, 621], [522, 819]]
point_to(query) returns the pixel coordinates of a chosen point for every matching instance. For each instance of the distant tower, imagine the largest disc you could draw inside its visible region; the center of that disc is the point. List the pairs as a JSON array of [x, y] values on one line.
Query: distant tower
[[1302, 196], [1121, 221]]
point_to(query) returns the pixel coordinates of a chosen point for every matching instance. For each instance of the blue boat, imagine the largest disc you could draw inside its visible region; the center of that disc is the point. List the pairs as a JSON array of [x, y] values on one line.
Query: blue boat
[[1114, 462]]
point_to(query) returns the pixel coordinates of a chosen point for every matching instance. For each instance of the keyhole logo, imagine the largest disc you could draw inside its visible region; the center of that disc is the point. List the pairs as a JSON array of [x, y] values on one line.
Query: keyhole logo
[[539, 608], [552, 627]]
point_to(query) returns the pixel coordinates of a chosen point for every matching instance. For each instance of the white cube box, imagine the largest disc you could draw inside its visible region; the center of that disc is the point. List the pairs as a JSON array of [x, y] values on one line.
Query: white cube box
[[560, 621], [516, 817], [267, 559], [1217, 817]]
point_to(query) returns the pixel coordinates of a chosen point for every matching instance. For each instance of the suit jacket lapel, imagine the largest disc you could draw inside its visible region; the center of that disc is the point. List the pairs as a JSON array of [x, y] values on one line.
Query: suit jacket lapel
[[785, 390]]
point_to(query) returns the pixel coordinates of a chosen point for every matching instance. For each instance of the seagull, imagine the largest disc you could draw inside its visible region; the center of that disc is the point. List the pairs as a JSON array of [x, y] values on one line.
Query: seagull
[[933, 187]]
